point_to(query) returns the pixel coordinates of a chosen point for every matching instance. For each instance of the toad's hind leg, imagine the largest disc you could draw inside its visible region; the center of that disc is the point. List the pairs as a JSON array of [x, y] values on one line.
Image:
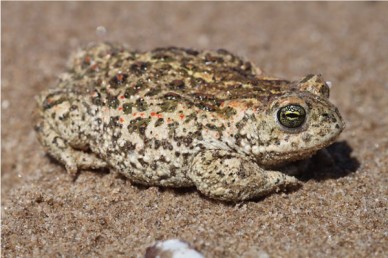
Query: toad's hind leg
[[60, 135], [60, 149], [231, 177]]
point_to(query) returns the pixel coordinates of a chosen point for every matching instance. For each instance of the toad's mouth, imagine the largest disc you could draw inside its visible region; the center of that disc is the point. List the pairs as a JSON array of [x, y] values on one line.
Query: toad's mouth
[[279, 159]]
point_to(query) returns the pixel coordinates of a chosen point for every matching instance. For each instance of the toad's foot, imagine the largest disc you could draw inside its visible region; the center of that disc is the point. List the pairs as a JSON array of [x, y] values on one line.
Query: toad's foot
[[231, 177], [59, 148]]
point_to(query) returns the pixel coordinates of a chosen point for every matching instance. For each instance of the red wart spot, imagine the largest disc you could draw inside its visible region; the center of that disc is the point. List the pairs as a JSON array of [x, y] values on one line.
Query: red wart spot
[[122, 97], [121, 120], [182, 116], [156, 115], [120, 77], [94, 67], [87, 60], [120, 108]]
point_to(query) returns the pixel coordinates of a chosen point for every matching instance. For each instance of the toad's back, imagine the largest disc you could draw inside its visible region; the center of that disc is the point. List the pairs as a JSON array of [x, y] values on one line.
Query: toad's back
[[203, 78]]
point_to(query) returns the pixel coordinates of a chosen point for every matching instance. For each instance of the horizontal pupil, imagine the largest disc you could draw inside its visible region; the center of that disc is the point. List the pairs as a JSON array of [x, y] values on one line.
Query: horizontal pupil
[[292, 115]]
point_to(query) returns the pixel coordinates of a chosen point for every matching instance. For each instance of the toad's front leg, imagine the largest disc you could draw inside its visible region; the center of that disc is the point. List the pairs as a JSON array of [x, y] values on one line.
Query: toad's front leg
[[227, 176]]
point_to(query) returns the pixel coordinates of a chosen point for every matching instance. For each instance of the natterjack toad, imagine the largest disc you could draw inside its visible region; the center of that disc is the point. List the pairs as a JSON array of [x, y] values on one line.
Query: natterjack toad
[[178, 117]]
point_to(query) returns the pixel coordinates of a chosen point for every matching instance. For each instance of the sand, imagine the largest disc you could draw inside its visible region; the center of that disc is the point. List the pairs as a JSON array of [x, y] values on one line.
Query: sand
[[341, 210]]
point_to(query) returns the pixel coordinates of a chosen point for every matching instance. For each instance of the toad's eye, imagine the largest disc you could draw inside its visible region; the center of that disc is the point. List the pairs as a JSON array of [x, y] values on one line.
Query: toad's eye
[[291, 116]]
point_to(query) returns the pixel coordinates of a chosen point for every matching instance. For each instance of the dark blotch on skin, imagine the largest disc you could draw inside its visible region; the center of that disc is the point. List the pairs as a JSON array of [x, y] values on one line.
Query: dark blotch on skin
[[215, 128], [213, 59], [306, 137], [118, 80], [97, 99], [47, 104], [114, 122], [157, 144], [128, 147], [113, 102], [177, 85], [139, 67], [142, 162], [167, 145], [308, 77]]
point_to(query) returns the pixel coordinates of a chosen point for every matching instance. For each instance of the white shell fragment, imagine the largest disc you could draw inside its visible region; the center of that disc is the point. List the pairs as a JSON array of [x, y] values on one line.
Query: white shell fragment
[[329, 83], [172, 248]]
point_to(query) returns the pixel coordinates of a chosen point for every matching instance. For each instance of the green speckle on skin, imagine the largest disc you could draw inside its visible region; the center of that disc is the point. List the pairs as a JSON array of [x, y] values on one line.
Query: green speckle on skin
[[153, 92], [129, 92], [168, 106], [159, 122], [127, 108], [171, 128], [113, 102], [139, 124], [135, 88], [114, 122], [216, 128], [196, 82], [141, 84], [206, 106], [141, 105], [190, 117], [228, 112]]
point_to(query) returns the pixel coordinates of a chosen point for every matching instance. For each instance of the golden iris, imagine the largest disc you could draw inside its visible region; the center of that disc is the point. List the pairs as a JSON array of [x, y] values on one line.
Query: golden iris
[[292, 116]]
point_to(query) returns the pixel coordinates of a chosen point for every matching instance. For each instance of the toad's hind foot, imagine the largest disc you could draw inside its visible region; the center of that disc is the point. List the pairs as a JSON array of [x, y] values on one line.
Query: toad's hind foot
[[59, 148], [231, 177]]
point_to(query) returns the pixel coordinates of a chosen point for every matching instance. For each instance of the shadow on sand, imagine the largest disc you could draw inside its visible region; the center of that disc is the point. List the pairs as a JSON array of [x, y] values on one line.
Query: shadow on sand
[[336, 162]]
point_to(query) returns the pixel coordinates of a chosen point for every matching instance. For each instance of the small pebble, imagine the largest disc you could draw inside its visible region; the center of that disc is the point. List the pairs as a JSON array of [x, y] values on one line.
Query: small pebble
[[173, 248], [100, 31]]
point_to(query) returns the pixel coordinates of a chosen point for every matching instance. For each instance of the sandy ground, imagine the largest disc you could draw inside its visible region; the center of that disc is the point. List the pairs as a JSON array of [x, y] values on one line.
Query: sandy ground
[[341, 211]]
